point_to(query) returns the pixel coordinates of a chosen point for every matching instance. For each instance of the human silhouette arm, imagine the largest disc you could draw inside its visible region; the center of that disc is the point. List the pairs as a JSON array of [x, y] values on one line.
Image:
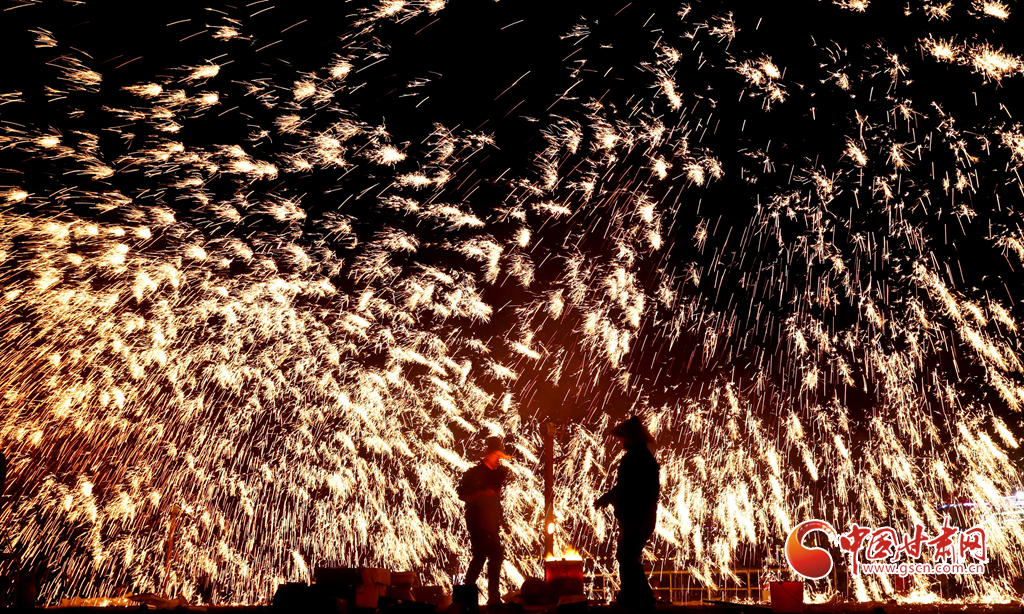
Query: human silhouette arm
[[607, 498]]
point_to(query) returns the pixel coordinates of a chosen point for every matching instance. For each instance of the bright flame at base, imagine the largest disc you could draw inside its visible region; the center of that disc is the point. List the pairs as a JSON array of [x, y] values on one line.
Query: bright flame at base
[[569, 555]]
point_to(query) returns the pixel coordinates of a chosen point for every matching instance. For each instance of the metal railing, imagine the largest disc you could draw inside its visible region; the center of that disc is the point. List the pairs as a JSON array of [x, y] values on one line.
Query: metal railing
[[683, 588]]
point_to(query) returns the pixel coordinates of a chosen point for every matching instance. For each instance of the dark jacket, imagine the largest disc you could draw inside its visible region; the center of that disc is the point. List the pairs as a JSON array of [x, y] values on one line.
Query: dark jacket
[[637, 489], [481, 490]]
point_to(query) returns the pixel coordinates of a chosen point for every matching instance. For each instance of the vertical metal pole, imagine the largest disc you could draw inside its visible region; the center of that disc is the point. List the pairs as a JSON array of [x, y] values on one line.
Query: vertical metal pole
[[549, 486], [169, 555]]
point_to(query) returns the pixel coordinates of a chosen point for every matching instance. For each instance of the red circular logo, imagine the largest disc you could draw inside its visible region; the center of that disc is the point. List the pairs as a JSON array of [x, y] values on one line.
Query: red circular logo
[[811, 563]]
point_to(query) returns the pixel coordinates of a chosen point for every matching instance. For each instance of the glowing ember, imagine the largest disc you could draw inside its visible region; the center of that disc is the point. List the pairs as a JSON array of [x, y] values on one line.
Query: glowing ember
[[568, 555]]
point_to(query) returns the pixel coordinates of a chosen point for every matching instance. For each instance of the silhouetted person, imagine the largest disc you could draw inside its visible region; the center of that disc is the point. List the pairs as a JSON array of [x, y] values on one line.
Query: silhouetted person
[[481, 490], [635, 497]]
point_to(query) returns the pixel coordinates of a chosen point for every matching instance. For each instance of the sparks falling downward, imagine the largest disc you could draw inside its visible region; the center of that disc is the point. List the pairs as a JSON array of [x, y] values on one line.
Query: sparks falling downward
[[295, 331]]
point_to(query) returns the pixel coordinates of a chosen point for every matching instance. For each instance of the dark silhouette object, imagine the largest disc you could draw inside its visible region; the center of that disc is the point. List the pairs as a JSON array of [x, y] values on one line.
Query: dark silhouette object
[[301, 597], [28, 589], [30, 578], [635, 497], [534, 592], [467, 596], [481, 490], [401, 606], [573, 607]]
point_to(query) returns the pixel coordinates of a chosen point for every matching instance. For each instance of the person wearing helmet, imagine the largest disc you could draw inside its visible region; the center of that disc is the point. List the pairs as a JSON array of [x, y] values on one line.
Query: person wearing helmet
[[481, 490]]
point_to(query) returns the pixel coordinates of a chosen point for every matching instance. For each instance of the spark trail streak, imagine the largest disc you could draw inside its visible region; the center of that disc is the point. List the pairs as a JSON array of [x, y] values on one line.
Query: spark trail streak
[[800, 269]]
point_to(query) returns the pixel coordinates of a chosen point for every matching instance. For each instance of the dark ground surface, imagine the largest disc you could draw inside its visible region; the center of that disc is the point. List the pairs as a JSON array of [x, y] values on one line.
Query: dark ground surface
[[857, 608]]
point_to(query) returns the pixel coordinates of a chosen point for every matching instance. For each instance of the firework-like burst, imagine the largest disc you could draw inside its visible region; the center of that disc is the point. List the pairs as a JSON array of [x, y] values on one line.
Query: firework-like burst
[[797, 263]]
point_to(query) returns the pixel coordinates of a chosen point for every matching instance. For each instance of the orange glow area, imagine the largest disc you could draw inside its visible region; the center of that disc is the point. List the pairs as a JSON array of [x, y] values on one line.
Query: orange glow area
[[568, 555]]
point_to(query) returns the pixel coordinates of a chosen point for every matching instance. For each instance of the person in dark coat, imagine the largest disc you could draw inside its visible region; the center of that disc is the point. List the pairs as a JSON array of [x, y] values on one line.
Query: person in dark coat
[[635, 497], [481, 490]]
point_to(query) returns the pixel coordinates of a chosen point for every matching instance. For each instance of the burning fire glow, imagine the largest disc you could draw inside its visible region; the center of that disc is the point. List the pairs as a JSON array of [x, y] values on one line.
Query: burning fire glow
[[568, 555]]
